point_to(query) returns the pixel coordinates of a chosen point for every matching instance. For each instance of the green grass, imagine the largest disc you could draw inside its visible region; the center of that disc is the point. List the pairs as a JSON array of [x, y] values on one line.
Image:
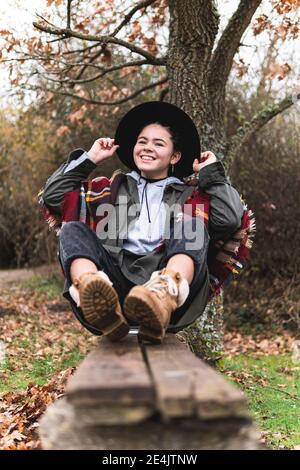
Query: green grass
[[272, 385], [39, 345], [49, 286], [39, 371]]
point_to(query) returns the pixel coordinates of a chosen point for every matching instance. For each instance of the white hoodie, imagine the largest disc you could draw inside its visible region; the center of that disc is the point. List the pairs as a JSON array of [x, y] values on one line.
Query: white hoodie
[[147, 232]]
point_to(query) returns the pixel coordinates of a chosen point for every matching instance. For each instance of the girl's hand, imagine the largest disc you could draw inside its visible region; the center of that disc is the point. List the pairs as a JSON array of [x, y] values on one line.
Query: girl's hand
[[206, 159], [102, 149]]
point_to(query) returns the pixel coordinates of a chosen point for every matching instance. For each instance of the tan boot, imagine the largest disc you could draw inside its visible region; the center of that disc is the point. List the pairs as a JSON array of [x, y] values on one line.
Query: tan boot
[[100, 304], [152, 304]]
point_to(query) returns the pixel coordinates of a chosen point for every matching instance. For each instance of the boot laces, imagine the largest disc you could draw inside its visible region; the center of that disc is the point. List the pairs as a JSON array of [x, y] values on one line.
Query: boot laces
[[162, 284]]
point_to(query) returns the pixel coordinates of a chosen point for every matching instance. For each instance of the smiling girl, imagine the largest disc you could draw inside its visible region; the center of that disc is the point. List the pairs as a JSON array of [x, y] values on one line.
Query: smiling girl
[[145, 279]]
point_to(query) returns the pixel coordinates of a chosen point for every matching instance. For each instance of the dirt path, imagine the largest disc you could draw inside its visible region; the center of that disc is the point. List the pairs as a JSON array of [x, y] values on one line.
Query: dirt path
[[12, 276]]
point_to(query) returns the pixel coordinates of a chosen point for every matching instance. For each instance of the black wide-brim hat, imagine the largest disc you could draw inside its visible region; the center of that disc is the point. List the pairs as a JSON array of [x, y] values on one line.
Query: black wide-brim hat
[[167, 114]]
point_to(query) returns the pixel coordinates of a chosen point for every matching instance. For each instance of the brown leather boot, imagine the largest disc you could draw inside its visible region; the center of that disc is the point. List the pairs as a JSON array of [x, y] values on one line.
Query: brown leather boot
[[100, 305], [152, 304]]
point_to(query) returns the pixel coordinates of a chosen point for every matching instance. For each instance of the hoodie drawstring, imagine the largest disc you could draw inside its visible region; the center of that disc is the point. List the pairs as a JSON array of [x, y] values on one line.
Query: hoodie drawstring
[[145, 192]]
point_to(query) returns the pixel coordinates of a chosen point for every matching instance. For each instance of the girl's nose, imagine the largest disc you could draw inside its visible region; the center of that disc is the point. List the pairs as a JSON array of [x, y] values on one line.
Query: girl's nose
[[148, 146]]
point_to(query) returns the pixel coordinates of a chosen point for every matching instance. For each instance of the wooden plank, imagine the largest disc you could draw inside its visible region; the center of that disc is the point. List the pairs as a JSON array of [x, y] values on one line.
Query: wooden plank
[[173, 382], [62, 429], [186, 386], [112, 375]]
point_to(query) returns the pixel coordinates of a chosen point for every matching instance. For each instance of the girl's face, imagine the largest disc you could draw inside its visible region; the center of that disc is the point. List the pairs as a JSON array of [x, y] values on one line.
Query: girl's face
[[153, 152]]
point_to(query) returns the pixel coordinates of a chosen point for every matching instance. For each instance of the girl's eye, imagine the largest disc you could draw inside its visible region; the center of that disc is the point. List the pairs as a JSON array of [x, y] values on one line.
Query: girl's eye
[[143, 142]]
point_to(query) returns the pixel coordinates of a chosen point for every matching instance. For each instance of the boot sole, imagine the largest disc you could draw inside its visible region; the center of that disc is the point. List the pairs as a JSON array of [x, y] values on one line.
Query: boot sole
[[99, 303], [141, 312]]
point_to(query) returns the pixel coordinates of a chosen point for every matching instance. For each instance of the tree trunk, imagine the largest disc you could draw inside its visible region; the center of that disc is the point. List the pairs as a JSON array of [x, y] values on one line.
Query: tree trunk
[[193, 29], [205, 336], [192, 33]]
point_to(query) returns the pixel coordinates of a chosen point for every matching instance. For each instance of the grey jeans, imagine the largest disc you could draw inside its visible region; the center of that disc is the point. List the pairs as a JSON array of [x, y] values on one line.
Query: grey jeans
[[76, 240]]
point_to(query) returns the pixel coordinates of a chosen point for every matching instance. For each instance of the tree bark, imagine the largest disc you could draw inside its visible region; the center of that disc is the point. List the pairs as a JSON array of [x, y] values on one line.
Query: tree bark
[[192, 33], [193, 30]]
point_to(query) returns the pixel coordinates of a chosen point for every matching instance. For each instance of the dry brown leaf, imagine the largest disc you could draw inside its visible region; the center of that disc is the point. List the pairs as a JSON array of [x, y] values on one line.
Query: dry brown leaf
[[279, 71]]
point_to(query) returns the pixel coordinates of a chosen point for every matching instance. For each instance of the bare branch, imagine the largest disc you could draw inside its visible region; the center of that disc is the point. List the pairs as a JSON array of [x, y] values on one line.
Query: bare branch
[[105, 103], [104, 70], [132, 63], [92, 59], [70, 81], [69, 65], [260, 119], [76, 51], [60, 38], [68, 33], [129, 15], [45, 20], [229, 43], [69, 14]]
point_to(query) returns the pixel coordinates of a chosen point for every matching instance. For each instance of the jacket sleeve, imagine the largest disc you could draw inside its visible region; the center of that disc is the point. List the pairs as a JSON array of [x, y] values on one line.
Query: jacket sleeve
[[62, 181], [226, 207]]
